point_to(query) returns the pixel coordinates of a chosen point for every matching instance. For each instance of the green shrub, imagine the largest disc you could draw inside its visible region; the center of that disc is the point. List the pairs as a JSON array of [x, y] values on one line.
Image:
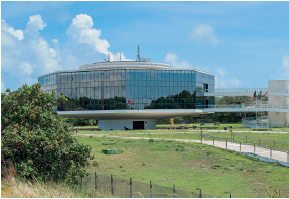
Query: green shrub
[[36, 140]]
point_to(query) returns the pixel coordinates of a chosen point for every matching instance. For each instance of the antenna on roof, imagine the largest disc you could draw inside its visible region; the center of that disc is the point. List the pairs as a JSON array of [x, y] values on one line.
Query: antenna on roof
[[108, 57], [138, 55]]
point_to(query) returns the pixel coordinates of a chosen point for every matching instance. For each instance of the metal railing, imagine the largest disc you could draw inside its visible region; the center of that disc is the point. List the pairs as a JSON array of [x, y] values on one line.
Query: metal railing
[[243, 106], [262, 121], [265, 143], [231, 90]]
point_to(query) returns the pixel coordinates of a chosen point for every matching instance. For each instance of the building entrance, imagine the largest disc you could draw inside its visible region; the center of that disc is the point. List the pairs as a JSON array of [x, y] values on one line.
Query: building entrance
[[138, 125]]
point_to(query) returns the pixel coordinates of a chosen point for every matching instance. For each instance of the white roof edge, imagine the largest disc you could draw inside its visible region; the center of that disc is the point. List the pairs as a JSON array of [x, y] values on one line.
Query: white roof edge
[[161, 68], [122, 63]]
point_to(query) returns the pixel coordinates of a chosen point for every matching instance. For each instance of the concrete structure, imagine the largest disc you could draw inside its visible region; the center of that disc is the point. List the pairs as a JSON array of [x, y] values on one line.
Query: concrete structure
[[277, 105], [280, 99]]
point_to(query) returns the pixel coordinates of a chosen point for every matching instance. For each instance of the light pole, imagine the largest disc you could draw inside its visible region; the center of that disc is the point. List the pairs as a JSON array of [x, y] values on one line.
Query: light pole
[[256, 113]]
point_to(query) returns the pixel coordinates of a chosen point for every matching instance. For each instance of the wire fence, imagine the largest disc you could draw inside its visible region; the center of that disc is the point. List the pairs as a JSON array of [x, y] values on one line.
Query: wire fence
[[127, 188]]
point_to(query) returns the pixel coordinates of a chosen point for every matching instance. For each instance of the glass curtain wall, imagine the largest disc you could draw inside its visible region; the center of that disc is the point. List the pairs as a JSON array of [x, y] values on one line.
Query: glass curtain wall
[[129, 89]]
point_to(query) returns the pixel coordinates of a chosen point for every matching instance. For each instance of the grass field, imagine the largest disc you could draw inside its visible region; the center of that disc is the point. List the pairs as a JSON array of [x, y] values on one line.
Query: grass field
[[266, 138], [220, 126], [190, 166]]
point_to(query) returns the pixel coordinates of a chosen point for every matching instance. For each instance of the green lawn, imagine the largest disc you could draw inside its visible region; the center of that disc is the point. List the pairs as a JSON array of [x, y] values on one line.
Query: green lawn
[[220, 126], [266, 138], [218, 172]]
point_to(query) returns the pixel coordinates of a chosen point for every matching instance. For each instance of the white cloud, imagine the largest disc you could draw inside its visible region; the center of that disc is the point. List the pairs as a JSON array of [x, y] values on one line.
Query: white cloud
[[45, 55], [7, 40], [52, 52], [34, 56], [222, 79], [82, 21], [35, 23], [81, 30], [284, 68], [172, 59], [55, 41], [17, 33], [203, 34], [285, 62], [26, 68], [2, 87], [117, 57], [222, 72], [23, 61]]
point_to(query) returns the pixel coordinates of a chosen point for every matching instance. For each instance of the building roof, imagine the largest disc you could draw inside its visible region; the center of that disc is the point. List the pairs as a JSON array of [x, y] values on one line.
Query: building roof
[[144, 65]]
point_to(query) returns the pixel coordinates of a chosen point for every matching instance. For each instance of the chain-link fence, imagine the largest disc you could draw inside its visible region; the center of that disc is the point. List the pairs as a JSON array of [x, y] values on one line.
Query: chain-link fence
[[127, 188]]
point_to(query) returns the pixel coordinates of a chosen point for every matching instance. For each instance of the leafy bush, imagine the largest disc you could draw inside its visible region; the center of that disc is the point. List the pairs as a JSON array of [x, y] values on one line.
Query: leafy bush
[[36, 140]]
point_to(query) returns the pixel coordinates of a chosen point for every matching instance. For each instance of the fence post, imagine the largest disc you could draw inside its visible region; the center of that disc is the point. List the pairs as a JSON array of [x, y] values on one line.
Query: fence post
[[213, 141], [111, 184], [151, 186], [174, 191], [226, 144], [76, 131], [130, 182], [270, 153], [240, 146], [288, 156], [95, 178], [200, 196], [231, 133]]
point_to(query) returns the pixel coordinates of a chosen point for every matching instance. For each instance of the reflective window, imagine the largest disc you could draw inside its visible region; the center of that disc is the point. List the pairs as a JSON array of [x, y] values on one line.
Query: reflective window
[[112, 89]]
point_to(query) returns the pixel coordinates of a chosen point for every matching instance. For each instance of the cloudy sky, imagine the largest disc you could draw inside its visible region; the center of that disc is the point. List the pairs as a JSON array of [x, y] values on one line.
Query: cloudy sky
[[244, 44]]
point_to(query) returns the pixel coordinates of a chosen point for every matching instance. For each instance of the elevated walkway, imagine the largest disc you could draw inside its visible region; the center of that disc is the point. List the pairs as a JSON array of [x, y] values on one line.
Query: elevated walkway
[[245, 92], [244, 108]]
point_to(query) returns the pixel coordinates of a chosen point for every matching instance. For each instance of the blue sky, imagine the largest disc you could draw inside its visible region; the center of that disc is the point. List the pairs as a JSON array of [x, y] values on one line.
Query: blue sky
[[244, 44]]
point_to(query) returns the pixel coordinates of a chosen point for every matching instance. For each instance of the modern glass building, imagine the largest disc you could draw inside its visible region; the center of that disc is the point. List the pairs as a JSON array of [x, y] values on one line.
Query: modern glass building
[[117, 93]]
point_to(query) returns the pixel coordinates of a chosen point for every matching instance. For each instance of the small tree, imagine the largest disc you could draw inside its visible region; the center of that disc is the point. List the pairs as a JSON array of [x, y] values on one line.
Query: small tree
[[36, 140]]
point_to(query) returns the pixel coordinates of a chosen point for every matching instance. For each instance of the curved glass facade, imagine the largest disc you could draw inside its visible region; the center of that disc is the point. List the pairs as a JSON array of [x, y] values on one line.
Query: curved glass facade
[[129, 89]]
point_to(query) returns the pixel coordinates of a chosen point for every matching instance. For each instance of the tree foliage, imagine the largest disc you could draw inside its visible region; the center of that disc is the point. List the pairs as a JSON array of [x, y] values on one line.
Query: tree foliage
[[37, 140]]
